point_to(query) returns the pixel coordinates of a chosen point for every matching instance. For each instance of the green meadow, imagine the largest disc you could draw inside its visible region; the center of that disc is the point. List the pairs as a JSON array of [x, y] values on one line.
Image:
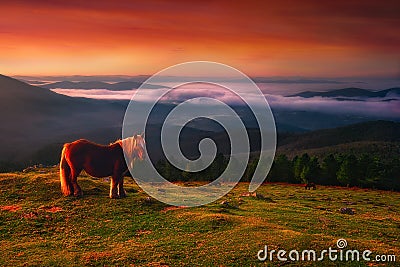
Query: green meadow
[[40, 227]]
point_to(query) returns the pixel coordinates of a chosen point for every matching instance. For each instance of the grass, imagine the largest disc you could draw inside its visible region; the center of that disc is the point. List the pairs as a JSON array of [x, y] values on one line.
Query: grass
[[38, 226]]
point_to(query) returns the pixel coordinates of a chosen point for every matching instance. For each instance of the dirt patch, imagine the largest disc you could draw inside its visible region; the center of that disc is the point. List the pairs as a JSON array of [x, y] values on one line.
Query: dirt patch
[[153, 264], [95, 256], [173, 208], [30, 215], [143, 232], [51, 209], [12, 208]]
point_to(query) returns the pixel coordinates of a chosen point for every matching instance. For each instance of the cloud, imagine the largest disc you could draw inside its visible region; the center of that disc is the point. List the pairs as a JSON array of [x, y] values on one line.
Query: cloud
[[96, 93], [388, 107], [376, 107], [278, 37]]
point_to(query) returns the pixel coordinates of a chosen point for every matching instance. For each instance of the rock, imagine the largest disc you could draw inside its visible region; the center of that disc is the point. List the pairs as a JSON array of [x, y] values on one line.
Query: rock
[[390, 208], [29, 169], [225, 203], [218, 184], [262, 197], [148, 200], [347, 210], [257, 195], [248, 194], [245, 194]]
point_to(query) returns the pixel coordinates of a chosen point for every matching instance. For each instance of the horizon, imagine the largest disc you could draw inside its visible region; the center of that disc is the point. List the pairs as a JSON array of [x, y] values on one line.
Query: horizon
[[280, 85], [281, 96]]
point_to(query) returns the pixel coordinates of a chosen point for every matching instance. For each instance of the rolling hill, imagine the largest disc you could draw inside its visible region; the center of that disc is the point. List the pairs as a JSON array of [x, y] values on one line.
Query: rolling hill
[[350, 92], [33, 117], [118, 86], [380, 138], [377, 138], [36, 122]]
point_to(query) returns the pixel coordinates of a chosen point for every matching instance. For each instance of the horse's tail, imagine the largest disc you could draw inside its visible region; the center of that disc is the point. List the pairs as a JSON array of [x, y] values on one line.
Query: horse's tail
[[65, 173]]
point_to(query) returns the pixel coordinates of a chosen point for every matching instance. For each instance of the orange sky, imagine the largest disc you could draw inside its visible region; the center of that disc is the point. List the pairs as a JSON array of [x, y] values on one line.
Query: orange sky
[[278, 38]]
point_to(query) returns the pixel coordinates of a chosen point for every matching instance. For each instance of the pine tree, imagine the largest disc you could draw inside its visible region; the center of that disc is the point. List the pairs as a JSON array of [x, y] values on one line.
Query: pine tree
[[330, 166], [348, 171], [299, 165]]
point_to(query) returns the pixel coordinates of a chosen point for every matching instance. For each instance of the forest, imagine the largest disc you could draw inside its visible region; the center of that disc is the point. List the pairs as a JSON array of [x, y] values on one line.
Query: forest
[[347, 170]]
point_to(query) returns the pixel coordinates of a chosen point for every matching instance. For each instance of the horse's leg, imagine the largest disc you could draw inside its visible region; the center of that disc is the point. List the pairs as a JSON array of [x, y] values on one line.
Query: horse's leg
[[74, 177], [121, 190], [114, 187]]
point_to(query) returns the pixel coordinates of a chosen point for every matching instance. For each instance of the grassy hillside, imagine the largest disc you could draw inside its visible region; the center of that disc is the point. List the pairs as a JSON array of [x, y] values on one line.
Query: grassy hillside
[[40, 227]]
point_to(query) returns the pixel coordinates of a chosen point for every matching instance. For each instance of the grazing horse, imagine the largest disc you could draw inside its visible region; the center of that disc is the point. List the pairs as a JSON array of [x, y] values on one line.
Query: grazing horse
[[310, 185], [98, 161]]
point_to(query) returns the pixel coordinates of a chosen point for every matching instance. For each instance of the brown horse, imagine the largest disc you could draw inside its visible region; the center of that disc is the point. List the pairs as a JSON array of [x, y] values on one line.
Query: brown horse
[[98, 161]]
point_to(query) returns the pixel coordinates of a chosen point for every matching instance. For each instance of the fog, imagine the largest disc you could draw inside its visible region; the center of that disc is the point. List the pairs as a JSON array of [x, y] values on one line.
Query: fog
[[387, 107]]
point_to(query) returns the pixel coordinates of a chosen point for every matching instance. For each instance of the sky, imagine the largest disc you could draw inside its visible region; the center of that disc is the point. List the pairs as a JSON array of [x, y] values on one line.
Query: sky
[[309, 38]]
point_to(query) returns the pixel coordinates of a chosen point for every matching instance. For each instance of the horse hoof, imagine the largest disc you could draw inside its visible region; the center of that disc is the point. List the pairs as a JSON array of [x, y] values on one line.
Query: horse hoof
[[114, 196], [122, 196], [80, 194]]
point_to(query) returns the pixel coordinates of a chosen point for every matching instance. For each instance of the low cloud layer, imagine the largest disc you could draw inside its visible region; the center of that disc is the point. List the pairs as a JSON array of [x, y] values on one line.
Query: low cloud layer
[[372, 107], [96, 93], [388, 107]]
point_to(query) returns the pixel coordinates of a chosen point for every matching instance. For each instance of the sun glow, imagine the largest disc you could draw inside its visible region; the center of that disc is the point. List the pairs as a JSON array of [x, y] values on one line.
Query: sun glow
[[314, 38]]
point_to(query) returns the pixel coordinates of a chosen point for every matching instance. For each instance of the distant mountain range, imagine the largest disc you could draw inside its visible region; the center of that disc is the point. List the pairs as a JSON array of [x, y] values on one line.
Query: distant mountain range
[[118, 86], [350, 92], [84, 78], [36, 122]]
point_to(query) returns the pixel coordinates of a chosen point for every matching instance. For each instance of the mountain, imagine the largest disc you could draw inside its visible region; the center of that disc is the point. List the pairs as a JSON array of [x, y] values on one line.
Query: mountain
[[305, 120], [34, 82], [118, 86], [368, 131], [85, 78], [36, 122], [350, 92], [33, 117], [375, 137]]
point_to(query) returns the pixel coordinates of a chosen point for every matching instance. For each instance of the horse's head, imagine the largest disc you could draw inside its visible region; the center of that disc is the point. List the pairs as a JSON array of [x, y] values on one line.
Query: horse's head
[[134, 147]]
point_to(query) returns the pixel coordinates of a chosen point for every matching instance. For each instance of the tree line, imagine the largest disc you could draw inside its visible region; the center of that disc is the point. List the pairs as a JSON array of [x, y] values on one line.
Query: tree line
[[363, 171]]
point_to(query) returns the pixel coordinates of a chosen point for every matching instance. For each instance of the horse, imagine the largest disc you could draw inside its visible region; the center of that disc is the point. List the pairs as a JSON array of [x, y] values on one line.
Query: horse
[[310, 185], [98, 161]]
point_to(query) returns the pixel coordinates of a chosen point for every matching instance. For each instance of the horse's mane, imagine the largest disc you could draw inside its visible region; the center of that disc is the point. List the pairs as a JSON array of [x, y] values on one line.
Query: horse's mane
[[130, 145], [119, 141]]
